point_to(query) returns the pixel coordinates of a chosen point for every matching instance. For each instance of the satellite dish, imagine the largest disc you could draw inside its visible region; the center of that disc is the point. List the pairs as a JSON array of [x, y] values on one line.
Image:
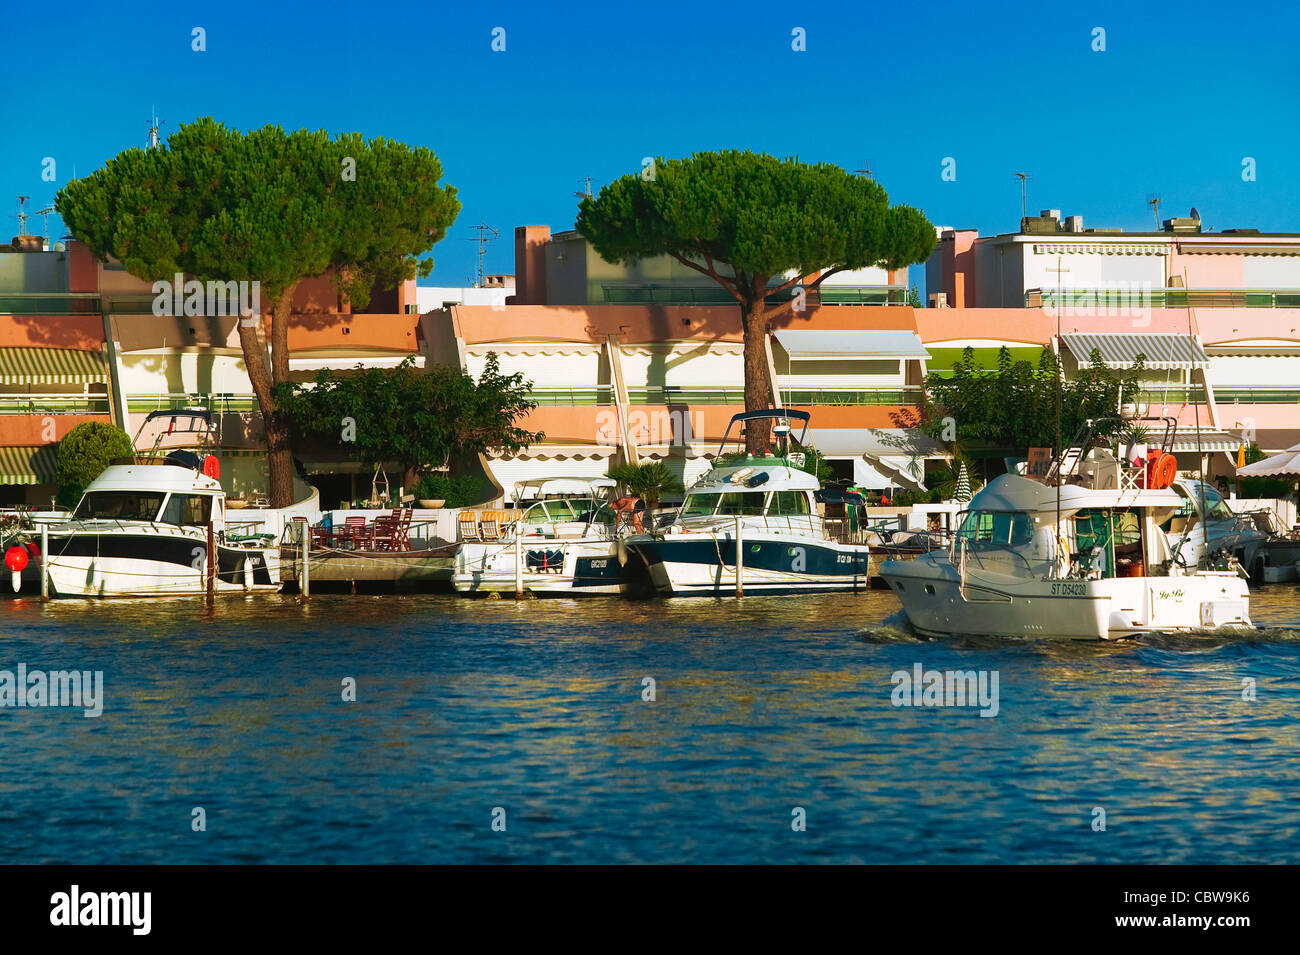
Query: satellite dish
[[1196, 215]]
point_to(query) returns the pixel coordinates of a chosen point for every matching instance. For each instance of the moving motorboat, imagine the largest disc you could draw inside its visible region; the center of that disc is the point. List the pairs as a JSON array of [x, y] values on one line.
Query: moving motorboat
[[1078, 555], [566, 542], [751, 525], [142, 527]]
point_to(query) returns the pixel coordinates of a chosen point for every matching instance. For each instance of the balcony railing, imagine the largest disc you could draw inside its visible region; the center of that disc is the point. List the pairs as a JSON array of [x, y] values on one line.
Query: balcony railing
[[716, 295], [218, 403], [599, 395], [1136, 297], [1257, 396], [50, 303], [53, 404], [802, 396]]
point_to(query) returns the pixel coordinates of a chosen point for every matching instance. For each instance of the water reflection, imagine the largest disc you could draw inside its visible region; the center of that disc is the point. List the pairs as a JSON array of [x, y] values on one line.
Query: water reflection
[[761, 705]]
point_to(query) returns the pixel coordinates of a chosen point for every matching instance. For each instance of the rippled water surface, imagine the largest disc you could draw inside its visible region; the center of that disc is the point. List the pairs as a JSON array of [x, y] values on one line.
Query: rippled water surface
[[761, 706]]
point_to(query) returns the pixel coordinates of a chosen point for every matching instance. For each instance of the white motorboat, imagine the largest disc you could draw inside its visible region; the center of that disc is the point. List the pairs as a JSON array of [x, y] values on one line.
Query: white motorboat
[[141, 527], [751, 525], [1081, 555], [565, 543]]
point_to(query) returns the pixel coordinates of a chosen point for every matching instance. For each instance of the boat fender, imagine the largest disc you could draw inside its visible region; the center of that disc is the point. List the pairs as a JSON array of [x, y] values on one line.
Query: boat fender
[[622, 553], [212, 466], [248, 573]]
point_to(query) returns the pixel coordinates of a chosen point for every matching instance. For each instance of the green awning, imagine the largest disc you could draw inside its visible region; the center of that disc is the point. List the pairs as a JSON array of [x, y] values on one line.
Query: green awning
[[27, 465], [51, 366]]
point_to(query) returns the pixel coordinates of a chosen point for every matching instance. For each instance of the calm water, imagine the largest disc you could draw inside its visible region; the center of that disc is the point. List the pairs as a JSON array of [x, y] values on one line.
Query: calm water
[[536, 707]]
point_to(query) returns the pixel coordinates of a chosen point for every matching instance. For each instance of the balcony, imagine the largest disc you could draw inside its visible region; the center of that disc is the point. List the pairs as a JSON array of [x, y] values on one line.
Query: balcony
[[550, 397], [716, 295], [218, 403], [53, 404], [1134, 297], [803, 396]]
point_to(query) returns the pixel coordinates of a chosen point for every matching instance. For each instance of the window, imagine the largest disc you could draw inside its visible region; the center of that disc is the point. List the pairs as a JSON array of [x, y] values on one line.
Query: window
[[1010, 528], [742, 503], [789, 504], [119, 505], [194, 509], [699, 505]]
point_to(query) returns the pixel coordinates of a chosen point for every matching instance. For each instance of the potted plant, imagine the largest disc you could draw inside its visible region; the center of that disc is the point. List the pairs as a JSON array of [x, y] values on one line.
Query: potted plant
[[433, 490], [1134, 438]]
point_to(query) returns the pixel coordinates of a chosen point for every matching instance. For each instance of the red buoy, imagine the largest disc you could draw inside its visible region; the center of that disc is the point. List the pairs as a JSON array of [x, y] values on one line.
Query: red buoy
[[212, 466], [16, 558]]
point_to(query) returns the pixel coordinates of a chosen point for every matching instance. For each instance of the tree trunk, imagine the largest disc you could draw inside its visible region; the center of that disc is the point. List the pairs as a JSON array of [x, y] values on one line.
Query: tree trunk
[[757, 393], [263, 376]]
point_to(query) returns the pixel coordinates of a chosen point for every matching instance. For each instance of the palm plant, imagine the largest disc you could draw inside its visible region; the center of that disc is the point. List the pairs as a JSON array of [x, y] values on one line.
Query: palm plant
[[649, 481]]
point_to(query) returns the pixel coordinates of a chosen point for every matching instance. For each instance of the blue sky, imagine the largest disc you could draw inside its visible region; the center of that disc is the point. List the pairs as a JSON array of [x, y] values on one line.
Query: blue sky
[[1180, 96]]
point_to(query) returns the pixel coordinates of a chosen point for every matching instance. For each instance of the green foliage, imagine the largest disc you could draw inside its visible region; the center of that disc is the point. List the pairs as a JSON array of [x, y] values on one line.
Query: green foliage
[[265, 206], [422, 420], [83, 454], [914, 297], [760, 215], [1013, 407], [462, 491], [649, 480]]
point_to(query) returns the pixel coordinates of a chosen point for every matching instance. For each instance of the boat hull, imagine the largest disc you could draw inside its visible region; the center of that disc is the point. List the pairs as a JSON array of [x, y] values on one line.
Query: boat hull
[[937, 603], [154, 563], [705, 565], [583, 568]]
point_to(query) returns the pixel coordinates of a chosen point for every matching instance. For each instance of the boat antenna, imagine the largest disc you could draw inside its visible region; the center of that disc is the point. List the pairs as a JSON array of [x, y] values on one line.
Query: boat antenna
[[1196, 408]]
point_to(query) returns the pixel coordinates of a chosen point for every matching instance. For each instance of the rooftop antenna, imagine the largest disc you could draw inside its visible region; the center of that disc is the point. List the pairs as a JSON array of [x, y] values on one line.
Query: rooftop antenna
[[865, 170], [587, 194], [22, 216], [154, 125], [1153, 201], [1024, 177], [483, 239], [45, 217]]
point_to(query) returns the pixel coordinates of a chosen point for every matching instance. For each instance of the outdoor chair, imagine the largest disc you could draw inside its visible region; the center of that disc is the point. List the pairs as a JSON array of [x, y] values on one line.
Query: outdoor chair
[[468, 526]]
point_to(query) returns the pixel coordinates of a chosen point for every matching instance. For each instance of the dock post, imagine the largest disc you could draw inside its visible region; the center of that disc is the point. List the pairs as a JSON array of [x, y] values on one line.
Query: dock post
[[212, 564], [740, 560], [519, 563], [45, 566], [304, 576]]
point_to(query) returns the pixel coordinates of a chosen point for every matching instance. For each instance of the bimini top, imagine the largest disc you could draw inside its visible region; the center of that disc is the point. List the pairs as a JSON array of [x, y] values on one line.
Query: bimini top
[[153, 477], [1011, 492], [562, 485]]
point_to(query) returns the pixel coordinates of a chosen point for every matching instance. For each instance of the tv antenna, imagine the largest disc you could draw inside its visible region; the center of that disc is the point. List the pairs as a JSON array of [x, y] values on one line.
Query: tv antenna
[[45, 217], [154, 125], [1153, 201], [483, 239], [1024, 177], [587, 194], [22, 216], [866, 169]]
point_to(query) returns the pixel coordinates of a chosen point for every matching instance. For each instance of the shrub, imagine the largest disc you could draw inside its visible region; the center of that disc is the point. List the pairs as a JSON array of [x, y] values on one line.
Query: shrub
[[83, 454], [462, 491]]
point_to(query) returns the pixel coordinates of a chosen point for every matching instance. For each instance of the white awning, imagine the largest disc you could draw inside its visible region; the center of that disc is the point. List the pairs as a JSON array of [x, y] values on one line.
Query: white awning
[[349, 364], [1283, 464], [806, 344], [880, 442], [1120, 350]]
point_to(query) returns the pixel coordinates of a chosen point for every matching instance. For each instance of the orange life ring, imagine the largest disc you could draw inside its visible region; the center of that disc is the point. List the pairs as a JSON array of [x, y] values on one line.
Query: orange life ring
[[1164, 471]]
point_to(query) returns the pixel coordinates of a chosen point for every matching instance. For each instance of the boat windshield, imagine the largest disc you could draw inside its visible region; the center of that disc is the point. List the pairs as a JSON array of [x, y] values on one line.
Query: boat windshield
[[1010, 528], [728, 504], [119, 505]]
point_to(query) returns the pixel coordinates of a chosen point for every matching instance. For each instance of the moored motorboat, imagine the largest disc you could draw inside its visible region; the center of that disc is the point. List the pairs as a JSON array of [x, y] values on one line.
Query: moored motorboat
[[751, 525], [566, 543], [1083, 556]]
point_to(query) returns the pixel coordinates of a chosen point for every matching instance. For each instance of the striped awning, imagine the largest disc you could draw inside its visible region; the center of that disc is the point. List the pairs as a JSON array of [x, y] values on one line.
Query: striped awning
[[1209, 442], [51, 366], [27, 465], [1120, 350], [842, 344]]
